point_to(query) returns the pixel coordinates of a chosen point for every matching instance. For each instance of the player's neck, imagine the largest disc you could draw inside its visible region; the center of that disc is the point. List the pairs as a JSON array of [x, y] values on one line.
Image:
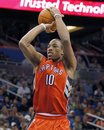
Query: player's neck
[[58, 59]]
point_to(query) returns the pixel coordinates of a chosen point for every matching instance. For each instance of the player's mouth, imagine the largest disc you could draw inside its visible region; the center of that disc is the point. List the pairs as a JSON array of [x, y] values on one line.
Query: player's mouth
[[49, 55]]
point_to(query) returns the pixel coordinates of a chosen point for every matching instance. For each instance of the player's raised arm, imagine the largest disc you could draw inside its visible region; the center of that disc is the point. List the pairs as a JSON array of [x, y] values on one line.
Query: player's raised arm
[[25, 44], [70, 60], [28, 50]]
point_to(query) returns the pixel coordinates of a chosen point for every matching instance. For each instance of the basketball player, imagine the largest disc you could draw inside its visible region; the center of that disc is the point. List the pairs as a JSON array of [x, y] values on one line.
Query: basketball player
[[53, 76]]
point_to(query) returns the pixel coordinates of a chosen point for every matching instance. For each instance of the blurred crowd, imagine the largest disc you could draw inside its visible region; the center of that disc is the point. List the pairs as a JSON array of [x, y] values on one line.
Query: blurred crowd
[[16, 111]]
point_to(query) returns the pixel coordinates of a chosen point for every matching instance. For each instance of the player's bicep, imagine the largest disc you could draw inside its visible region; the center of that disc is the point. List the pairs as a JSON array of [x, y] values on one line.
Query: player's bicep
[[30, 53]]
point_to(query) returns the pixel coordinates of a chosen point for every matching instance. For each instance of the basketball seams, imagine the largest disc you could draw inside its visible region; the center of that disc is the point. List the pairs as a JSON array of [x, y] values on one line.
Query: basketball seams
[[50, 14]]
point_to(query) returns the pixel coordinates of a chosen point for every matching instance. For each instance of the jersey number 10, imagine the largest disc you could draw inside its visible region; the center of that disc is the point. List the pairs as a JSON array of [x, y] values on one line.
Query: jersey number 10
[[50, 79]]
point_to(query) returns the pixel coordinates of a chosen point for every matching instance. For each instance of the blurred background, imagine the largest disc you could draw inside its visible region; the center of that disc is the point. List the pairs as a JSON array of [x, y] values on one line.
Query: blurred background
[[86, 102]]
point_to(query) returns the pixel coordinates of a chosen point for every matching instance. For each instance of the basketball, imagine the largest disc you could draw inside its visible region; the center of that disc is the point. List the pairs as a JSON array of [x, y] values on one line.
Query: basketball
[[46, 17]]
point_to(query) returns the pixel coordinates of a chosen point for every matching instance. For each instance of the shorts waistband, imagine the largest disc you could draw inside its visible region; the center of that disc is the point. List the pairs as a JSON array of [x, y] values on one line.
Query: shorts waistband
[[53, 117]]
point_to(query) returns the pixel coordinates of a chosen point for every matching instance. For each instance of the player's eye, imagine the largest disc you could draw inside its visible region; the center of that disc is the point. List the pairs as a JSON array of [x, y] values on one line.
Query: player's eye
[[55, 46]]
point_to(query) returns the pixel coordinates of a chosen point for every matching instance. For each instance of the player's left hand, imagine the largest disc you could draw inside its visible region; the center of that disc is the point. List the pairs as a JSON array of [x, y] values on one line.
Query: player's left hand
[[54, 11]]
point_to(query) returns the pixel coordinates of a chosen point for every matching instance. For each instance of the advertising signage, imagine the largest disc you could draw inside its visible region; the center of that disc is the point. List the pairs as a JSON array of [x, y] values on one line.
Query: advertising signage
[[69, 7]]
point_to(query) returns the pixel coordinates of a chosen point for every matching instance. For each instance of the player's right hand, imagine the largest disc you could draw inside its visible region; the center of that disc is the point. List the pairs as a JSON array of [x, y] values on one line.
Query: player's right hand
[[50, 28]]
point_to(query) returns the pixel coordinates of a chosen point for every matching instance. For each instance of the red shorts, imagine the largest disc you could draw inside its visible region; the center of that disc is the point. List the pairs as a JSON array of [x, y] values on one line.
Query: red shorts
[[49, 123]]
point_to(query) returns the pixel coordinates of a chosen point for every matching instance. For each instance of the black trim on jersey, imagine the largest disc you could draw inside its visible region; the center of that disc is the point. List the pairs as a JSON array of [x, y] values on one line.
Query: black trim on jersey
[[65, 96], [68, 87], [70, 80]]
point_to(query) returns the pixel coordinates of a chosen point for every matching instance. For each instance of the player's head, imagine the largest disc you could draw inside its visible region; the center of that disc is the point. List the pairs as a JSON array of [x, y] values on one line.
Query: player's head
[[55, 49]]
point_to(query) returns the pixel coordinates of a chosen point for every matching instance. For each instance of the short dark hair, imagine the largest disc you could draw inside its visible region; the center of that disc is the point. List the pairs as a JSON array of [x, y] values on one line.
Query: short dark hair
[[56, 39]]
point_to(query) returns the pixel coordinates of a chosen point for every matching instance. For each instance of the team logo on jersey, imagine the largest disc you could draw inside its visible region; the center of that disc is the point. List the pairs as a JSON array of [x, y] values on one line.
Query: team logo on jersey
[[50, 67]]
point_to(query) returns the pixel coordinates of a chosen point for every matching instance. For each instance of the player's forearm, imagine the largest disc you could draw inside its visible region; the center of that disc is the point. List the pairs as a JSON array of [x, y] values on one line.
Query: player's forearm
[[31, 35], [62, 30]]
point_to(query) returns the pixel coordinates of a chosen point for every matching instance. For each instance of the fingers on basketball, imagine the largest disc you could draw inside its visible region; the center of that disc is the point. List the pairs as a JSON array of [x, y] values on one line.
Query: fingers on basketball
[[46, 17]]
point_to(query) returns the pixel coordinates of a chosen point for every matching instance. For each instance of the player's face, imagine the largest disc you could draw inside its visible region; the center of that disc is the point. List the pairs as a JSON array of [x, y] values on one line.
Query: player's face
[[54, 50]]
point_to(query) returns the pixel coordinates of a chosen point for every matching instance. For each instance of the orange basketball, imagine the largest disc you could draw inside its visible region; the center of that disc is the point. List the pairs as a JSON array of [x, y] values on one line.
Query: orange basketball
[[46, 17]]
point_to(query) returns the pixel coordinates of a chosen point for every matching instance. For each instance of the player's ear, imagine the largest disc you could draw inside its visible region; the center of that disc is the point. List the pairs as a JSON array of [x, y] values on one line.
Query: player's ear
[[62, 52]]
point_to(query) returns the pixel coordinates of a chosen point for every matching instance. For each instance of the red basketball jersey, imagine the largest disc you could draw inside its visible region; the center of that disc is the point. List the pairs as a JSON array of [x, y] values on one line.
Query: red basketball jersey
[[52, 88]]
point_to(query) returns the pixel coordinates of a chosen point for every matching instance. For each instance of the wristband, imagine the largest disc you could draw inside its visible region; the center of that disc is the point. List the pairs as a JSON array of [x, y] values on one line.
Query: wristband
[[57, 15], [44, 27]]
